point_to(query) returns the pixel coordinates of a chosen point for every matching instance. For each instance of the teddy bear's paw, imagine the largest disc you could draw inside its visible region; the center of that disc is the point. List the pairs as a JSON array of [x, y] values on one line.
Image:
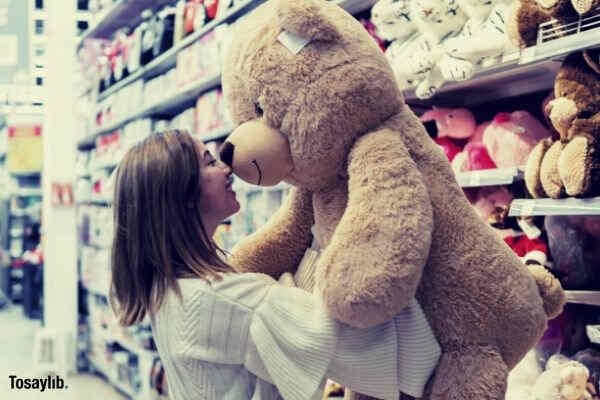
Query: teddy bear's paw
[[574, 166], [534, 167], [573, 381], [584, 6], [490, 61], [551, 291], [549, 175], [455, 69], [425, 91]]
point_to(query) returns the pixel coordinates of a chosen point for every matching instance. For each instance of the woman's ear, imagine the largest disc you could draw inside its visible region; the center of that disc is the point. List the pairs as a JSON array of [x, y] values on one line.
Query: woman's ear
[[307, 19]]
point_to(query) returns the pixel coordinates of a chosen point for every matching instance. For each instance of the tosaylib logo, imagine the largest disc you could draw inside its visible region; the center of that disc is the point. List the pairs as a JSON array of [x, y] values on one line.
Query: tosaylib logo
[[41, 384]]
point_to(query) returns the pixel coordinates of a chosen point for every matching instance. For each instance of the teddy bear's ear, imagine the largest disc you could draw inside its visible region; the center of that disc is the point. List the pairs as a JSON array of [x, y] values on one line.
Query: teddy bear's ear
[[307, 19]]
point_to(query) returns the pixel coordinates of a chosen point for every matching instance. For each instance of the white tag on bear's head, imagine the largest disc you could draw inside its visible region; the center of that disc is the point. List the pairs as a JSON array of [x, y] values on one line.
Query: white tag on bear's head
[[294, 43]]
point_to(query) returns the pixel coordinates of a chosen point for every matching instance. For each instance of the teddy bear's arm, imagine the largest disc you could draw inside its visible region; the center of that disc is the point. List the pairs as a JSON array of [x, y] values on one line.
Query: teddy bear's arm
[[373, 264], [278, 246]]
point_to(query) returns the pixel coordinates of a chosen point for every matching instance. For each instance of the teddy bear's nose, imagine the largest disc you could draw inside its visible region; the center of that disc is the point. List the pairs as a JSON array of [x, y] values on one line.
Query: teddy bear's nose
[[226, 153]]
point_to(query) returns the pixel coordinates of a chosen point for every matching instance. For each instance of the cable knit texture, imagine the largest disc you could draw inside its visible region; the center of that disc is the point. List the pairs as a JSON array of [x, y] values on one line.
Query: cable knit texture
[[246, 337]]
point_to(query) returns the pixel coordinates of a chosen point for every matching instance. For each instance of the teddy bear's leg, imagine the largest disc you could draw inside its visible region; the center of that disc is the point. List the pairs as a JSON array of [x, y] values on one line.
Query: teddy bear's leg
[[579, 167], [475, 372], [549, 175], [534, 167]]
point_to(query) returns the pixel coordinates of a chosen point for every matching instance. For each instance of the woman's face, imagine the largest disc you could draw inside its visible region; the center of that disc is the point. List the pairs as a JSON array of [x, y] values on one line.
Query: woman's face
[[218, 198]]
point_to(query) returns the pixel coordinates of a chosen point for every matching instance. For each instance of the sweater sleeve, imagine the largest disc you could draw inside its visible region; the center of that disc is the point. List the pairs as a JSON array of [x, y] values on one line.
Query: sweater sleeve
[[294, 344]]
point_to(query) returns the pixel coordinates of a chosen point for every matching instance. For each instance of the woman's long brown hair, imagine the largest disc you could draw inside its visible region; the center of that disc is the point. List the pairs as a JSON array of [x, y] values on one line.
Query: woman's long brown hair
[[159, 235]]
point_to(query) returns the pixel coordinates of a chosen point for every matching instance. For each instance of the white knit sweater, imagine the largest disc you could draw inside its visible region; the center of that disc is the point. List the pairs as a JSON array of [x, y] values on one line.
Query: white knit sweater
[[248, 338]]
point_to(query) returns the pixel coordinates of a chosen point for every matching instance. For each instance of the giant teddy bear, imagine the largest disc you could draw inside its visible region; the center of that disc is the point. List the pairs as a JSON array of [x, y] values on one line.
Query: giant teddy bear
[[317, 106]]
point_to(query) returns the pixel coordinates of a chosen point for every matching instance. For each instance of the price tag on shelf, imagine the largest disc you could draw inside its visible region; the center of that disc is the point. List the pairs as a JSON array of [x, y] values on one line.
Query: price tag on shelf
[[475, 178], [527, 207], [511, 56], [527, 55]]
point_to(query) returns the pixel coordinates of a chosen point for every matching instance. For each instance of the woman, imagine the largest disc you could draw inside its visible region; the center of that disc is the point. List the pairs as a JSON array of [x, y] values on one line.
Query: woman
[[224, 335]]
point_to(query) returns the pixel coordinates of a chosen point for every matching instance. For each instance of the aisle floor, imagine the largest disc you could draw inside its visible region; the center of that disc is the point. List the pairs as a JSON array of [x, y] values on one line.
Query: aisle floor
[[16, 358]]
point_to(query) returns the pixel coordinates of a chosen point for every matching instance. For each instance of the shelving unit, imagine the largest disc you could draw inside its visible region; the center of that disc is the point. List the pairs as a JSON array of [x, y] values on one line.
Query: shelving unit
[[530, 70], [122, 13], [568, 206], [174, 101], [489, 177], [588, 297]]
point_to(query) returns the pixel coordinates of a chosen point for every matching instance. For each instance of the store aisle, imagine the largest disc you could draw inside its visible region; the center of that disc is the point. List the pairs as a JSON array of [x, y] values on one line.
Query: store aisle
[[16, 349]]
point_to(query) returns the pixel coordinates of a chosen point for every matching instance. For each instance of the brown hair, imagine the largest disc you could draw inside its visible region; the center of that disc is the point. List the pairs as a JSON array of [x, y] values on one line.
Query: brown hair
[[159, 235]]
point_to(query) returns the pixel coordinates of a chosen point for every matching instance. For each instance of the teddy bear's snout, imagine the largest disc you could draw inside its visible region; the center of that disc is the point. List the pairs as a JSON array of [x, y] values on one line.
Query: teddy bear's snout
[[226, 153]]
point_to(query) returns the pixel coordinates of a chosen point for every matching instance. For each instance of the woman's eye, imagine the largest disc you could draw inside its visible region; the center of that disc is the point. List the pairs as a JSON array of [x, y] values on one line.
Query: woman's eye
[[212, 162]]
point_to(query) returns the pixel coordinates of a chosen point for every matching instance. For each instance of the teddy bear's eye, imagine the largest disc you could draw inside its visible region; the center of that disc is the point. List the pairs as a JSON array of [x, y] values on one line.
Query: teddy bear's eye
[[258, 110]]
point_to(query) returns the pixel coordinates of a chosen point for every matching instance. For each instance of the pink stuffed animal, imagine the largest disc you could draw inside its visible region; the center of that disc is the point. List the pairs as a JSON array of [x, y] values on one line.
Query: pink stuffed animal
[[511, 136], [449, 146], [492, 203], [457, 123], [474, 157]]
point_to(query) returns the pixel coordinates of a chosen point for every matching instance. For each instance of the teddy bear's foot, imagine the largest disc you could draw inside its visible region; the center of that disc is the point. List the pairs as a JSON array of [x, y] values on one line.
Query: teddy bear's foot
[[578, 168], [584, 6], [553, 296], [475, 372], [534, 167], [549, 175]]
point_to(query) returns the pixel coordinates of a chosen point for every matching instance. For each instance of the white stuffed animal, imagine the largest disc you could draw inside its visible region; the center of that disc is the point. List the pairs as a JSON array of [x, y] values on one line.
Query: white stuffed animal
[[564, 379], [479, 42], [438, 21], [392, 20]]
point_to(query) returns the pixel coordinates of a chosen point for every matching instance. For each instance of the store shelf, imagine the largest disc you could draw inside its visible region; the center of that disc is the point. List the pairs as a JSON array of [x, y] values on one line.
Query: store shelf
[[126, 344], [26, 192], [531, 70], [101, 200], [569, 206], [167, 60], [110, 375], [166, 106], [95, 290], [583, 297], [489, 177], [123, 13]]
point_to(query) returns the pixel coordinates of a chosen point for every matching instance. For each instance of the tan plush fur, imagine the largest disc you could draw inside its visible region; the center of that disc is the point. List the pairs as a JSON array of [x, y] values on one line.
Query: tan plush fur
[[388, 212], [571, 166]]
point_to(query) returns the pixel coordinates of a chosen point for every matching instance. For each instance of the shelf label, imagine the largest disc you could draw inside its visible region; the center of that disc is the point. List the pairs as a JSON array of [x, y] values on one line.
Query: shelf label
[[475, 178], [527, 55], [527, 207]]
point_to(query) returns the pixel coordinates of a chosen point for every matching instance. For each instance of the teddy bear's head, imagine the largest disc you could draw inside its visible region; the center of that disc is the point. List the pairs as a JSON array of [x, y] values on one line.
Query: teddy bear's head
[[303, 79], [576, 92], [392, 19], [437, 19]]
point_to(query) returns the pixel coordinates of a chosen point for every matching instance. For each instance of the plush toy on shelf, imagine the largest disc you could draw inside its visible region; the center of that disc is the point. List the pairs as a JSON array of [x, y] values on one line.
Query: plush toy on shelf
[[457, 123], [438, 21], [570, 166], [574, 245], [392, 20], [525, 17], [451, 124], [317, 106], [563, 379], [511, 136], [481, 41]]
